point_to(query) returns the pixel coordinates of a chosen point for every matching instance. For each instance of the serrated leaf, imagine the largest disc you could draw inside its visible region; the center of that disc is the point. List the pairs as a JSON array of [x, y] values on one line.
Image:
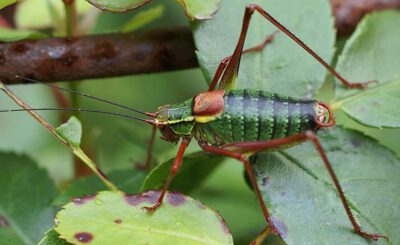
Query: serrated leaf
[[200, 9], [143, 18], [195, 168], [117, 218], [118, 6], [372, 54], [283, 66], [5, 3], [13, 35], [127, 180], [304, 202], [27, 193], [52, 238], [71, 131]]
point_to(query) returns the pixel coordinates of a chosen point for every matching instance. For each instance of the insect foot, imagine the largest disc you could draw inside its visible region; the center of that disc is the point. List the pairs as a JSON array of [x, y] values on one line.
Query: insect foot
[[360, 85], [152, 209], [374, 237]]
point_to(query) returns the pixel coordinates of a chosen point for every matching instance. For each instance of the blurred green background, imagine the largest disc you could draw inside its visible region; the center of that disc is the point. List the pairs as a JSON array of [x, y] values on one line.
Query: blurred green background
[[119, 143]]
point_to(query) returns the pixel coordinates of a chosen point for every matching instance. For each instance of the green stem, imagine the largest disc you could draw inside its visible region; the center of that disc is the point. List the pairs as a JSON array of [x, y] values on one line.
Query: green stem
[[71, 25], [70, 17], [81, 155], [75, 150]]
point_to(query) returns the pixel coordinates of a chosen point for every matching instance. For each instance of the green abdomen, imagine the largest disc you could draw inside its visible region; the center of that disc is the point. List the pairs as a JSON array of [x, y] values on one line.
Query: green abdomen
[[255, 115]]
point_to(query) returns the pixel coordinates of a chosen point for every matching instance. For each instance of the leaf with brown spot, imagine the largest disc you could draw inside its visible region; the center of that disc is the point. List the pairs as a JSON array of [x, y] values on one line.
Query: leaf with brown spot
[[52, 238], [118, 218]]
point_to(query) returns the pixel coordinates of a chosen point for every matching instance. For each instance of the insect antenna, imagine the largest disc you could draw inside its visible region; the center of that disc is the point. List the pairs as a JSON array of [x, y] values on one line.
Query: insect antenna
[[84, 110], [85, 95]]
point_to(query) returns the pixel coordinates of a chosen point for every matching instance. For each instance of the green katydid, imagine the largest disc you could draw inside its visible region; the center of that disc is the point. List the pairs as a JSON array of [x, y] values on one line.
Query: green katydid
[[240, 123]]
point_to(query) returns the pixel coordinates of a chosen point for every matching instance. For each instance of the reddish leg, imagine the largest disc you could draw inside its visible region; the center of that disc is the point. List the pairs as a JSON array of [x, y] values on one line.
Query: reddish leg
[[146, 165], [231, 71], [257, 146], [224, 62], [174, 170], [249, 170]]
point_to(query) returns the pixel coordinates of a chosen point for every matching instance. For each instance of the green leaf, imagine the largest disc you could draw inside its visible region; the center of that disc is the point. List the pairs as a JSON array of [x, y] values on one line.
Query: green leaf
[[52, 238], [5, 3], [127, 180], [117, 218], [27, 193], [305, 204], [195, 168], [283, 66], [50, 12], [200, 9], [143, 18], [7, 234], [71, 131], [372, 54], [12, 35], [118, 6]]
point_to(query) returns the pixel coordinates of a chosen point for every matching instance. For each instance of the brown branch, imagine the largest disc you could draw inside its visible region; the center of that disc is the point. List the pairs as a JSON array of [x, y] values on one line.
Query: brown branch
[[349, 12], [57, 59]]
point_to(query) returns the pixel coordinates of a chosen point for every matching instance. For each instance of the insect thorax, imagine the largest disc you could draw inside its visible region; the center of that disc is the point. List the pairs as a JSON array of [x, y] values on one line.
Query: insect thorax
[[175, 120]]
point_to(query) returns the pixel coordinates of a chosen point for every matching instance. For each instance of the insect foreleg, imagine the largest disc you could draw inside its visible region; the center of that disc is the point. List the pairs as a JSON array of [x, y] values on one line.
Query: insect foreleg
[[258, 146], [174, 170], [224, 62]]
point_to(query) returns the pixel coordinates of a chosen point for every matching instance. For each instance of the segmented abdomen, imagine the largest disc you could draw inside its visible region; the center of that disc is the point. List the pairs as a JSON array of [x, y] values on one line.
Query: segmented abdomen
[[256, 115]]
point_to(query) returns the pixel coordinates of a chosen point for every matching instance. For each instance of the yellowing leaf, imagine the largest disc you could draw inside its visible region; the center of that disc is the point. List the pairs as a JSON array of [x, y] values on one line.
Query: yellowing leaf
[[118, 218]]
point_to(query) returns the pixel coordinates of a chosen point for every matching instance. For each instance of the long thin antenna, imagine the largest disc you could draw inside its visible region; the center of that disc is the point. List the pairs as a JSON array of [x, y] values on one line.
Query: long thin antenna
[[80, 109], [84, 95]]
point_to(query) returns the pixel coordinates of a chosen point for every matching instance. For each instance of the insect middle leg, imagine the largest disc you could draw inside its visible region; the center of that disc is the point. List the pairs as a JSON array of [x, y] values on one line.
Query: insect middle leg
[[258, 146]]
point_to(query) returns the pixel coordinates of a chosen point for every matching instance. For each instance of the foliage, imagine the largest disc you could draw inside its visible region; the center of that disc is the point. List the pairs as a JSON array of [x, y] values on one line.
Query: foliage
[[5, 3], [194, 9], [304, 202], [7, 35], [25, 210], [108, 217], [294, 183], [273, 69], [366, 57]]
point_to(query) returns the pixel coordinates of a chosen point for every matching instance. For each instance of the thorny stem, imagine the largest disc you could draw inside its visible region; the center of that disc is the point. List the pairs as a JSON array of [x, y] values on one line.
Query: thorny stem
[[75, 150]]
